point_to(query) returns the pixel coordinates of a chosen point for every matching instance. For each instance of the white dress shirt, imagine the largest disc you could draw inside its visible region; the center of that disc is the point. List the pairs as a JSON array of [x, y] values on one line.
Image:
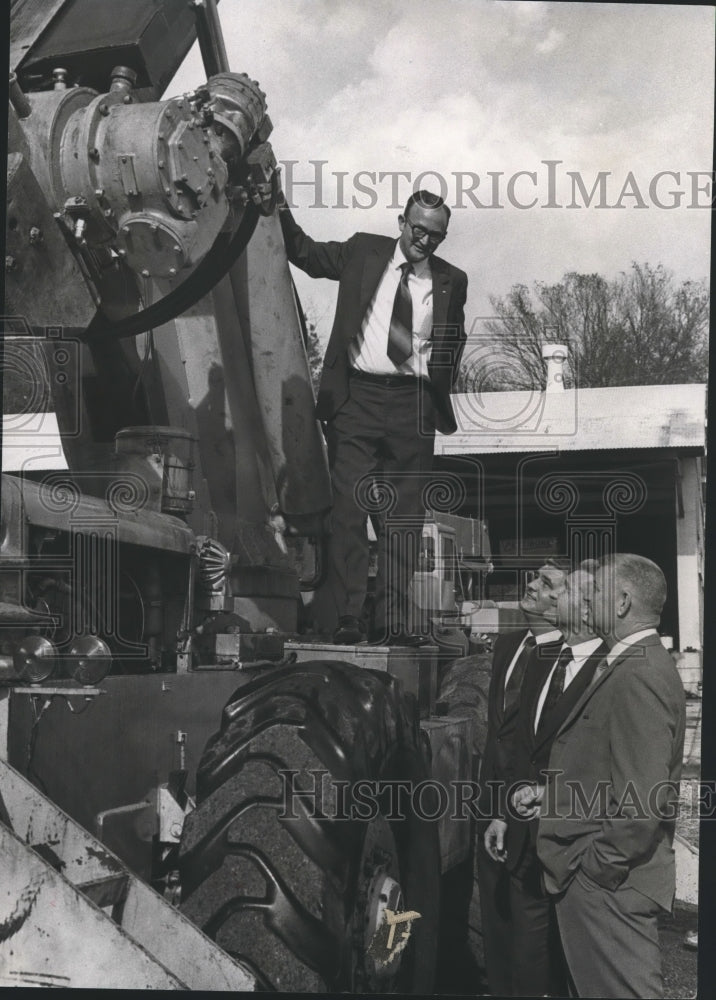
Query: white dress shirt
[[628, 641], [369, 351], [554, 636], [581, 651]]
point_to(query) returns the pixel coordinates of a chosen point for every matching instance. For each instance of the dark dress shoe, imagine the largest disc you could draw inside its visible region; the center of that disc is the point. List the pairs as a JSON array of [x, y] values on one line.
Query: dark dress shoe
[[349, 632]]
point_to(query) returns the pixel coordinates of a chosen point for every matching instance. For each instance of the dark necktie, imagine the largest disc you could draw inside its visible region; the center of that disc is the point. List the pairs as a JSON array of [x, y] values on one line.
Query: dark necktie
[[556, 683], [514, 681], [400, 335]]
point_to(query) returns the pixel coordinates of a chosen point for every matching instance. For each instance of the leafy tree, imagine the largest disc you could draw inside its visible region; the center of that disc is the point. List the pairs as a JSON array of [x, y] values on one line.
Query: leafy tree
[[314, 348], [639, 329]]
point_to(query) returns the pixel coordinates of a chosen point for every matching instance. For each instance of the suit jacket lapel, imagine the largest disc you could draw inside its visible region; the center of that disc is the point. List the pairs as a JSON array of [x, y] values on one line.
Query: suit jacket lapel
[[603, 670], [570, 698], [508, 650], [442, 286]]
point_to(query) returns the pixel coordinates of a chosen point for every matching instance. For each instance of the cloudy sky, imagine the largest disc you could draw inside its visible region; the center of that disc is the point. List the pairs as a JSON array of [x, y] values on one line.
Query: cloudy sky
[[485, 90]]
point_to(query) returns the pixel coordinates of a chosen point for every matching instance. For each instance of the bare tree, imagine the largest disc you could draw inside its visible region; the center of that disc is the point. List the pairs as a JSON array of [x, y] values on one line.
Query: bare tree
[[639, 329]]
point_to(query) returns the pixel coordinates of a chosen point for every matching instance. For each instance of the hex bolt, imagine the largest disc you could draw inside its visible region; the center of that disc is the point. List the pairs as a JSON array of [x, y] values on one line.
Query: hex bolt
[[184, 177], [127, 99], [108, 212], [35, 235], [154, 227], [177, 248], [199, 189], [125, 230], [145, 272], [10, 263], [160, 164], [103, 110], [172, 270], [124, 159], [168, 191], [99, 192], [94, 154]]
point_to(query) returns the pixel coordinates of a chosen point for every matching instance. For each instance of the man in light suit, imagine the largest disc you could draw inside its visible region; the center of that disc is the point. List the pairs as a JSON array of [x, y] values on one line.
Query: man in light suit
[[551, 689], [390, 364], [515, 655], [607, 816]]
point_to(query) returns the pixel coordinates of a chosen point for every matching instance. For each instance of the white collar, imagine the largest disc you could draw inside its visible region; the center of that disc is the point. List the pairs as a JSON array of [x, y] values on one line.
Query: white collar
[[554, 636], [421, 268], [629, 640], [581, 650]]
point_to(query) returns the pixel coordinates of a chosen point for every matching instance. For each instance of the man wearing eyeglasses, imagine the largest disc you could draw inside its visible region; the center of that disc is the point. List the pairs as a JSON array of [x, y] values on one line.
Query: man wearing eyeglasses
[[391, 361]]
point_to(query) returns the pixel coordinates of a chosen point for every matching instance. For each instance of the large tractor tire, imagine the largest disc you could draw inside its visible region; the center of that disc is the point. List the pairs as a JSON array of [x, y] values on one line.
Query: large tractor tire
[[296, 886], [463, 692]]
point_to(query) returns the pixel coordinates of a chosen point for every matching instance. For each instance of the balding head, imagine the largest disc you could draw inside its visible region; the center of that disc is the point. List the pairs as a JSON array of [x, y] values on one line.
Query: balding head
[[629, 595]]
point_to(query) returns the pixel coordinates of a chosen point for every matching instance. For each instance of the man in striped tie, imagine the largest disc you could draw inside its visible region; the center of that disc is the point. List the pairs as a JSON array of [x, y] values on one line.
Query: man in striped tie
[[390, 364]]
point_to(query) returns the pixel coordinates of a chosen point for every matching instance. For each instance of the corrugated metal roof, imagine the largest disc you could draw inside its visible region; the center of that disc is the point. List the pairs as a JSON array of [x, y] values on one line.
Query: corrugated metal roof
[[616, 417]]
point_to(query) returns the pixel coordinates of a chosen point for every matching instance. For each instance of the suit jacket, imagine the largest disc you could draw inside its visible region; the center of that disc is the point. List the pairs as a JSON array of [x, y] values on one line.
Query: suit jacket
[[531, 751], [623, 741], [501, 724], [358, 265]]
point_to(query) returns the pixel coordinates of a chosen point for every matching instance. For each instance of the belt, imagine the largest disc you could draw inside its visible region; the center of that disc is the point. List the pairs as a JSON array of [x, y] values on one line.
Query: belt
[[388, 381]]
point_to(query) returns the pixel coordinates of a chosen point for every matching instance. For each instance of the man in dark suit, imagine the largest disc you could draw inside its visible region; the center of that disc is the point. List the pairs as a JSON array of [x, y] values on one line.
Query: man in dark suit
[[514, 656], [391, 361], [608, 814], [550, 691]]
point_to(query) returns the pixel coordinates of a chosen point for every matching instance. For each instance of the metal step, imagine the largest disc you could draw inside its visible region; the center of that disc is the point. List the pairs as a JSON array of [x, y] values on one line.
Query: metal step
[[71, 914]]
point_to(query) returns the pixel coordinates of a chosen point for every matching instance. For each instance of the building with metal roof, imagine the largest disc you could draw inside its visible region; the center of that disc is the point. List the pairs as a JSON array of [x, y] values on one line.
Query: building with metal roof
[[575, 473]]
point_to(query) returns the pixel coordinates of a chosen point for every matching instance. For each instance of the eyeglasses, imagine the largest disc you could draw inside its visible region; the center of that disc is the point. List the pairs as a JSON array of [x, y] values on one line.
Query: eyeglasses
[[420, 233]]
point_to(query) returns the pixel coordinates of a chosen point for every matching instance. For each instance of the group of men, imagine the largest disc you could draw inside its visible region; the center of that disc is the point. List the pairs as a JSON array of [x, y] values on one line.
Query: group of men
[[581, 778], [586, 708]]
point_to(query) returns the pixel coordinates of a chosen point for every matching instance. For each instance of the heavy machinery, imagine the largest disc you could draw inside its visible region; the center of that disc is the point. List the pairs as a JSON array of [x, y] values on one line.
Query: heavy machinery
[[151, 574]]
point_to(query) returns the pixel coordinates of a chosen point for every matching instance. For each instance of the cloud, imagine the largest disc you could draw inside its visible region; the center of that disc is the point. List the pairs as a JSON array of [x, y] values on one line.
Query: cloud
[[489, 88]]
